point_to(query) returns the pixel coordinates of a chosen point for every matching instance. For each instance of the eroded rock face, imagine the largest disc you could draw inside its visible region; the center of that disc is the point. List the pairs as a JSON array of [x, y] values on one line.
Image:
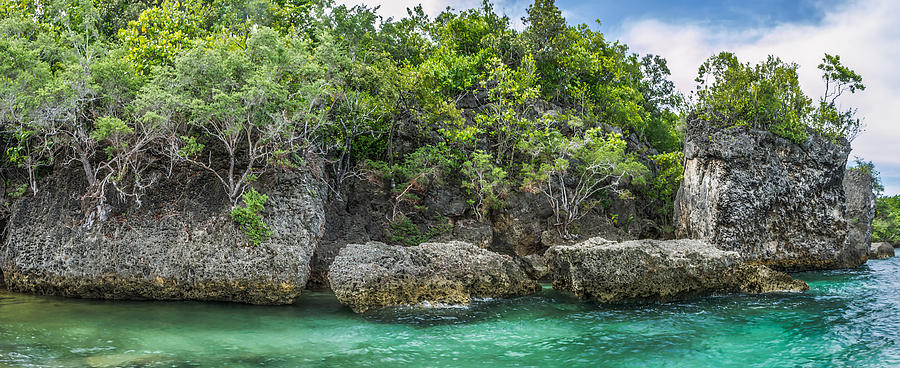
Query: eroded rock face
[[180, 244], [375, 275], [517, 229], [881, 251], [654, 270], [859, 190], [775, 202]]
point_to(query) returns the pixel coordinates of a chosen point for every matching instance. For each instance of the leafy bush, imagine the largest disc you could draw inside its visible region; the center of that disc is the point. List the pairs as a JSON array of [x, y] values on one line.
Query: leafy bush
[[570, 172], [763, 96], [664, 187], [418, 171], [403, 231], [886, 226], [485, 183], [248, 218], [161, 31], [768, 96]]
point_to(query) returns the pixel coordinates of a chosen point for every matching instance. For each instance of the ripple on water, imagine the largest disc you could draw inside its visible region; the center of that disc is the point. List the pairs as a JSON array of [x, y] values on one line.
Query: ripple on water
[[847, 319]]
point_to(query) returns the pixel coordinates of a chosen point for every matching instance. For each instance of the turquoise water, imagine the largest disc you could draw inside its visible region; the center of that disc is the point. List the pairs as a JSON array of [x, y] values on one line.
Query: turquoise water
[[848, 319]]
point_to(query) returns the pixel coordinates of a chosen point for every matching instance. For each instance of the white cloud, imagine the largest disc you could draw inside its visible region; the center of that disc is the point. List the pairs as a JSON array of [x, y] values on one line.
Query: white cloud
[[865, 33]]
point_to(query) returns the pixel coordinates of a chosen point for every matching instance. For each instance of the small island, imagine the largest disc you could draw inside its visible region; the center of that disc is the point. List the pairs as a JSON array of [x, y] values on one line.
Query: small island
[[280, 152]]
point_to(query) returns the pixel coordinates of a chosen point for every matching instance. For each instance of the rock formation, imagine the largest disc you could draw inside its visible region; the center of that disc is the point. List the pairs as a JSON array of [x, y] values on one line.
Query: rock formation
[[774, 202], [180, 243], [375, 275], [653, 270], [881, 251], [859, 190]]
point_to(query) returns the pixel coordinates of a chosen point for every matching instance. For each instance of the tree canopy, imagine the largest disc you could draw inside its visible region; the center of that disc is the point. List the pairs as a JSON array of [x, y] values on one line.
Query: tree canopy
[[126, 90]]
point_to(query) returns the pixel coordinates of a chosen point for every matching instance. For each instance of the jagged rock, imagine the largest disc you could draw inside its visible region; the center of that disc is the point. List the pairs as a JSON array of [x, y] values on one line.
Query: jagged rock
[[469, 231], [517, 229], [654, 270], [375, 275], [535, 265], [181, 243], [775, 202], [881, 251], [358, 217], [859, 190]]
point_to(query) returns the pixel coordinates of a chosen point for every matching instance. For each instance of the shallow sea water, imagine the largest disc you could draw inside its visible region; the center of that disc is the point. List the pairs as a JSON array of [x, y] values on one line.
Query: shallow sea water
[[849, 318]]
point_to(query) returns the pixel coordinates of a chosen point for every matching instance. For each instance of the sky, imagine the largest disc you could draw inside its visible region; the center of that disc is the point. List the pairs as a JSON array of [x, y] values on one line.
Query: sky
[[865, 33]]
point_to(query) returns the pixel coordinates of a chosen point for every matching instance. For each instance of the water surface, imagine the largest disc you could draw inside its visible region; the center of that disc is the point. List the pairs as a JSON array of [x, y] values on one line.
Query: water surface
[[849, 318]]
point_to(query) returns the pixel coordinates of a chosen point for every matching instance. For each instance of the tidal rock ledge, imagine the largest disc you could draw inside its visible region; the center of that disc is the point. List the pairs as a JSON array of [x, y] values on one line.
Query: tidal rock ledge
[[654, 270], [375, 275]]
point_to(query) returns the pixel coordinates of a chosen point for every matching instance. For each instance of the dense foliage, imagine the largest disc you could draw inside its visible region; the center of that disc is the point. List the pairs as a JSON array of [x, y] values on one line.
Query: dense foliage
[[126, 91], [768, 96], [886, 227]]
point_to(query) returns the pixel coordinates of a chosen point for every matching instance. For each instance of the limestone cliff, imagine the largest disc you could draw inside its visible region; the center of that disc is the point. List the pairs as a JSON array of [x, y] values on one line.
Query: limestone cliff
[[774, 202], [859, 189]]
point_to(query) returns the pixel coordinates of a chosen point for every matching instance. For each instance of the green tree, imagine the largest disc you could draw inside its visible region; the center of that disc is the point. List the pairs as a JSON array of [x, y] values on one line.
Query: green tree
[[247, 103], [570, 172], [765, 96], [839, 79], [160, 32], [547, 38], [485, 183]]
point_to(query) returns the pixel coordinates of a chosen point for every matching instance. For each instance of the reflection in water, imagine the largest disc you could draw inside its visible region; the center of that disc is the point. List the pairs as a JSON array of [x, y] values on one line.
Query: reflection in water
[[849, 318]]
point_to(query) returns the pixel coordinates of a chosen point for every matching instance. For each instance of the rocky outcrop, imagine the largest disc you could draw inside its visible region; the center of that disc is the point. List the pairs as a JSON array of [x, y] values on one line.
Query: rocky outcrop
[[180, 243], [881, 251], [375, 275], [774, 202], [654, 270], [859, 191], [517, 229]]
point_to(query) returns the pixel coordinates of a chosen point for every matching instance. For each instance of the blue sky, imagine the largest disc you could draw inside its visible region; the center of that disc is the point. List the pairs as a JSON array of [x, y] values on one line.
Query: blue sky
[[866, 33], [722, 13]]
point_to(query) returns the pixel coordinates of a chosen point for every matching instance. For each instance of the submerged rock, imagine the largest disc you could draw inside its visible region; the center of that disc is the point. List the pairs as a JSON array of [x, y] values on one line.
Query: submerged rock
[[181, 243], [773, 201], [651, 270], [881, 251], [375, 275], [859, 190]]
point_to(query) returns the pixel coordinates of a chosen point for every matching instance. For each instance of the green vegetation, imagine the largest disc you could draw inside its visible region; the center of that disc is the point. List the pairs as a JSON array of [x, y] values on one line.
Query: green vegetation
[[403, 231], [485, 183], [886, 227], [662, 189], [768, 96], [123, 91], [248, 218], [570, 172]]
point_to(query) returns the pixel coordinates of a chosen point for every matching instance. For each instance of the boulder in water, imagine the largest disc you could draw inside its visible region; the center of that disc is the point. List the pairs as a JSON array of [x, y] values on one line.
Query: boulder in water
[[655, 270], [374, 275], [881, 251]]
